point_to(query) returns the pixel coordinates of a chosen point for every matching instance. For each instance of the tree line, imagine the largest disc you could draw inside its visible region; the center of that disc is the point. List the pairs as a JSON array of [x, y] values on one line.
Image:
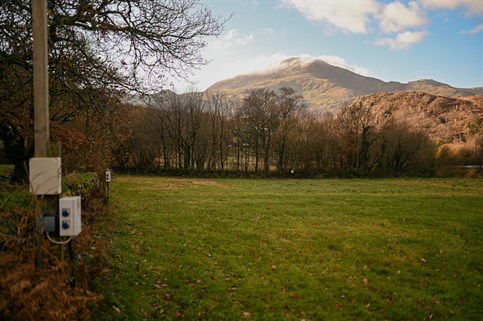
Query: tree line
[[266, 133]]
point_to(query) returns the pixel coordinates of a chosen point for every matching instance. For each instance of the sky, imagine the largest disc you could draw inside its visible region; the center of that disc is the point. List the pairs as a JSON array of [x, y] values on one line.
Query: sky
[[390, 40]]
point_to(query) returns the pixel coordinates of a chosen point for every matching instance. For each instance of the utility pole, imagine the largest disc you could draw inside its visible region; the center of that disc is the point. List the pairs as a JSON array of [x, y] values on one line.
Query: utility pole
[[41, 77], [41, 175], [45, 171]]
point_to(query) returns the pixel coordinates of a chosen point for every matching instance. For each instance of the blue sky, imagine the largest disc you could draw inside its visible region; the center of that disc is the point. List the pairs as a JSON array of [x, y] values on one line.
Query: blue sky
[[390, 40]]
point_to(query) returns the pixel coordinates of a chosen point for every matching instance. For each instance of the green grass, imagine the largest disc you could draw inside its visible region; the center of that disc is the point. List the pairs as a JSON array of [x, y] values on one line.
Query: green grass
[[6, 169], [11, 196], [389, 249]]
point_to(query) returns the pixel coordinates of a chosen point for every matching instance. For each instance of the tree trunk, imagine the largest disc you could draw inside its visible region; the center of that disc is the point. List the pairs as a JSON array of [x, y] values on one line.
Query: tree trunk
[[18, 155]]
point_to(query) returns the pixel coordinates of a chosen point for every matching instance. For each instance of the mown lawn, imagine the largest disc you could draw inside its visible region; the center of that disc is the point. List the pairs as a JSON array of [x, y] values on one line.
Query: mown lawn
[[229, 249]]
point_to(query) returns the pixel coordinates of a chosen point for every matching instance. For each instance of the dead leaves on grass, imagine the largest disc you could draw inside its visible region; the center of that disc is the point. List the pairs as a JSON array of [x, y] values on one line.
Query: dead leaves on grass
[[293, 294], [247, 314], [26, 290]]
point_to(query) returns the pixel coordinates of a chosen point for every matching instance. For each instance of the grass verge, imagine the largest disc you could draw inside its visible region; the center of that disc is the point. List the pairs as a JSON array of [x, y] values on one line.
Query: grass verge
[[388, 249]]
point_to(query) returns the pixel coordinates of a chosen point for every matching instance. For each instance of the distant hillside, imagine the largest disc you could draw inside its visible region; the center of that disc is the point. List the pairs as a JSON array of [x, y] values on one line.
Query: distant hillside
[[437, 88], [446, 120], [326, 87]]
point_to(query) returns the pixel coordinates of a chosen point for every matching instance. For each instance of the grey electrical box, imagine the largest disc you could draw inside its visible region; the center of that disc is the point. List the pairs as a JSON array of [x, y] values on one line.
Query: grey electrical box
[[45, 175], [46, 224]]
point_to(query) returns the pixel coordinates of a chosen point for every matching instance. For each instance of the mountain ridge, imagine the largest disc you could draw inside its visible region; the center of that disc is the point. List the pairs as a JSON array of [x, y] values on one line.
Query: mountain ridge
[[326, 87]]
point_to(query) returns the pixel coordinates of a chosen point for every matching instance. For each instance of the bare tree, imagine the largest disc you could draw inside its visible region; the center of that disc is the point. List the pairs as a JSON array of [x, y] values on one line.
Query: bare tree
[[181, 121], [288, 106], [141, 40], [260, 119], [219, 109], [96, 48], [403, 151], [355, 126]]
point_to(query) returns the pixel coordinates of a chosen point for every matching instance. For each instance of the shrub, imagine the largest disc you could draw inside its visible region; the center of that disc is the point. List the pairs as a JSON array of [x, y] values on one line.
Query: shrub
[[37, 280]]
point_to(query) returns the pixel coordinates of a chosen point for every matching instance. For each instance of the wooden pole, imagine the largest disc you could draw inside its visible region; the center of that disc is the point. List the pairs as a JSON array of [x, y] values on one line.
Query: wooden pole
[[41, 77], [41, 101]]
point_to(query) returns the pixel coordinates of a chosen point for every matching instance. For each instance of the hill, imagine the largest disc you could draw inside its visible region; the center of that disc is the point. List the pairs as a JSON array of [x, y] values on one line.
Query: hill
[[325, 87], [447, 120]]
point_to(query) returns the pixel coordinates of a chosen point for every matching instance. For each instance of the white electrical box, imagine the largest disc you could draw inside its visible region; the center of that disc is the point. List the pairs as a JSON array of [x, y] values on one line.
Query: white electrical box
[[70, 216], [45, 175]]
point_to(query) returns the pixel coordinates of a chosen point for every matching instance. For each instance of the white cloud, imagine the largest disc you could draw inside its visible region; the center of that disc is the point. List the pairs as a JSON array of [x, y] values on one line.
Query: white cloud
[[340, 62], [355, 16], [231, 39], [396, 17], [268, 30], [474, 31], [279, 61], [472, 7], [256, 64], [350, 16], [224, 68], [403, 40]]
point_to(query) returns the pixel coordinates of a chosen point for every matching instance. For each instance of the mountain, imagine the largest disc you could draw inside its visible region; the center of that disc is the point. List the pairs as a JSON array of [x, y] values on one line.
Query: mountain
[[446, 120], [437, 88], [325, 87]]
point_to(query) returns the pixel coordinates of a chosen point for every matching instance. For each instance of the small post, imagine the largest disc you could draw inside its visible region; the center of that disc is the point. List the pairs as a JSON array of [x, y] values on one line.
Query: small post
[[108, 181]]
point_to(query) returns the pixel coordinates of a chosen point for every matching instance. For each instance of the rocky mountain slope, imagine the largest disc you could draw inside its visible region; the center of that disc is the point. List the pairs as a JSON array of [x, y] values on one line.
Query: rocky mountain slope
[[325, 87], [446, 120]]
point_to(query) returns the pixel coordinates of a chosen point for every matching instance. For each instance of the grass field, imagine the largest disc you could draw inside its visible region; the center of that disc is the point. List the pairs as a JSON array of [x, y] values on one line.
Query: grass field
[[199, 249]]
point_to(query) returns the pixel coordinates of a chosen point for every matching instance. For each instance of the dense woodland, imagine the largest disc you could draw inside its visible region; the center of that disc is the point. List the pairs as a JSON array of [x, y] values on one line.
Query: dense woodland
[[267, 133]]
